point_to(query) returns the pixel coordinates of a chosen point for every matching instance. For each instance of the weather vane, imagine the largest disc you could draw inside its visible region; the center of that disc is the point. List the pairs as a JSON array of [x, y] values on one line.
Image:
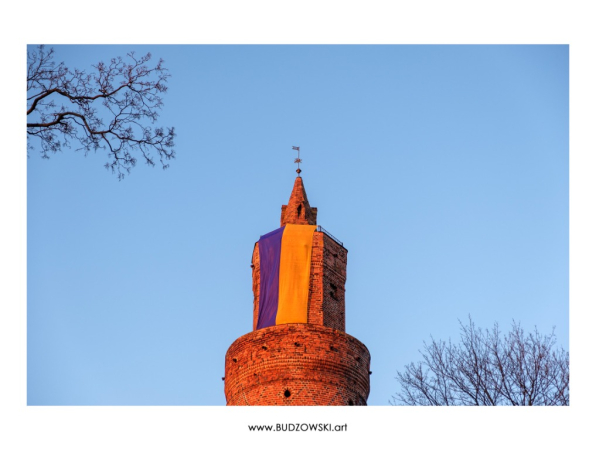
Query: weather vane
[[297, 160]]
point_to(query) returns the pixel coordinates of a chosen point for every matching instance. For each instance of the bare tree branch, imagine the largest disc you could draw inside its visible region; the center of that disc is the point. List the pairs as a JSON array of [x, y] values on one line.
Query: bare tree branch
[[111, 109], [486, 368]]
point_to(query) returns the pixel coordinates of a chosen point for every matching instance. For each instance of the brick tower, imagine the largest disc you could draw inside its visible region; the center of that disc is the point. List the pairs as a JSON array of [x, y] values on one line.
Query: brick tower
[[298, 352]]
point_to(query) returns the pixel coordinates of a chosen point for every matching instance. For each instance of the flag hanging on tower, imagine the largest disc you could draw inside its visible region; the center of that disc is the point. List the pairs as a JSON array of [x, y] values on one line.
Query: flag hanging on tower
[[285, 256]]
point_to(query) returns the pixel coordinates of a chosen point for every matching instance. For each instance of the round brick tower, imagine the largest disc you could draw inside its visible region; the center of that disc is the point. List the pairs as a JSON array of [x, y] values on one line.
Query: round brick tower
[[309, 361]]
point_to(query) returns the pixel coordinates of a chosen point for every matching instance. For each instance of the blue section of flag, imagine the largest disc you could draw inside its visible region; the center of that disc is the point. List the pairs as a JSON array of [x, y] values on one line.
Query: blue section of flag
[[269, 256]]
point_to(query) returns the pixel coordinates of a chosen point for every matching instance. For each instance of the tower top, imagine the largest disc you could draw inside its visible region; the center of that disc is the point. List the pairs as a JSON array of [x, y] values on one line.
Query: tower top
[[298, 211]]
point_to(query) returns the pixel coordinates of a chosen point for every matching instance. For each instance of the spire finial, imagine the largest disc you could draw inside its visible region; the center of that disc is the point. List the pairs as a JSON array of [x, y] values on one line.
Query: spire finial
[[297, 160]]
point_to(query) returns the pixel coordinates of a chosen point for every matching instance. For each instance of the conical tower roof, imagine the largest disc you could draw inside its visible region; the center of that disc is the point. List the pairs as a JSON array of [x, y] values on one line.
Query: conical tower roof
[[298, 211]]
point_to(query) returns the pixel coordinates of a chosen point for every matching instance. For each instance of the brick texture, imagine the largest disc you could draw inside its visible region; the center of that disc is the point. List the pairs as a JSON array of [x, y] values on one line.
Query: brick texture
[[315, 363], [298, 210], [297, 364]]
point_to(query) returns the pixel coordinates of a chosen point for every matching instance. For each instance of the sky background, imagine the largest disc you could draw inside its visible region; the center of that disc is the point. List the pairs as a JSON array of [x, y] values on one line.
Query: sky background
[[443, 169]]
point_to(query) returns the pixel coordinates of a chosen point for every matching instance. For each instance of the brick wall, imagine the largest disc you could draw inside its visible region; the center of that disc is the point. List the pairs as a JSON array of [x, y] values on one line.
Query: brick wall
[[297, 364], [335, 261]]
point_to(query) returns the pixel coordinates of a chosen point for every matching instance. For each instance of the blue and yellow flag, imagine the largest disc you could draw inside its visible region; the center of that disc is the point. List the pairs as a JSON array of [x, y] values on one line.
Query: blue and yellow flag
[[285, 256]]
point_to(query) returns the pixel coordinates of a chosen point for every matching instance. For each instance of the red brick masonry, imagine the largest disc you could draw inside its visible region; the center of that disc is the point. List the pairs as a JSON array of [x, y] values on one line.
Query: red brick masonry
[[297, 364]]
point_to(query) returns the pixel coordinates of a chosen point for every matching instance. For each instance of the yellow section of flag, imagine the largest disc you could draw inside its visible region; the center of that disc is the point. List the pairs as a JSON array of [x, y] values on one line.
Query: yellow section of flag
[[294, 273]]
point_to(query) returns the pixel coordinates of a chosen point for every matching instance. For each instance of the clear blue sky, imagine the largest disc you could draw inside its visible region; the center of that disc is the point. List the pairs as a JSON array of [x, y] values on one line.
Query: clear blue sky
[[443, 169]]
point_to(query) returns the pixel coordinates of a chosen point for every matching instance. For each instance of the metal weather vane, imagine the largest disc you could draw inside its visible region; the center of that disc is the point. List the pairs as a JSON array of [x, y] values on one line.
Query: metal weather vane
[[297, 160]]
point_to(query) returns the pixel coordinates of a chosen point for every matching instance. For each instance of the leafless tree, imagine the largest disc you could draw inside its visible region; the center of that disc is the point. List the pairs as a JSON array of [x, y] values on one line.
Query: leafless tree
[[488, 368], [113, 108]]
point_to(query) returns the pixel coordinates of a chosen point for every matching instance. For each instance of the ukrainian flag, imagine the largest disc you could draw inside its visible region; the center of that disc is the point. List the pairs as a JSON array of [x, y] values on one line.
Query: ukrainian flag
[[285, 256]]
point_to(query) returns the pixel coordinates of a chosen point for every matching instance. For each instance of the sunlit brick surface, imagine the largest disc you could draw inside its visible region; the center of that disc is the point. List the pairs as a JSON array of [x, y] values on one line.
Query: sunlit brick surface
[[297, 364], [298, 211]]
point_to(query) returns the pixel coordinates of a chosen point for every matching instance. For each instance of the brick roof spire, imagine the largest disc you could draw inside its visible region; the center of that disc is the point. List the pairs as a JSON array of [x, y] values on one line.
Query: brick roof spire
[[298, 211]]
